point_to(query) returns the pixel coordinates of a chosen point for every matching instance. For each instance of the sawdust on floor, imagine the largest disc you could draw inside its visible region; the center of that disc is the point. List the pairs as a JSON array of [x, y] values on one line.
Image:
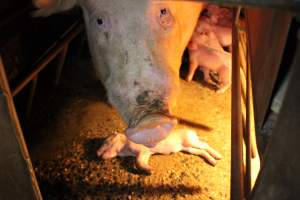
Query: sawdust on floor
[[64, 147]]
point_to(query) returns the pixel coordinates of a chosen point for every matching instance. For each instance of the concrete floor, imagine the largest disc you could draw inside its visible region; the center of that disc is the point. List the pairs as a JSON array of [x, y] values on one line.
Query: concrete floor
[[71, 121]]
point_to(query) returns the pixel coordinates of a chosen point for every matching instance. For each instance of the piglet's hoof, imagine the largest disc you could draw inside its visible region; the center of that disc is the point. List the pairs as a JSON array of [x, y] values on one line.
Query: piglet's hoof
[[222, 88], [119, 145], [178, 140]]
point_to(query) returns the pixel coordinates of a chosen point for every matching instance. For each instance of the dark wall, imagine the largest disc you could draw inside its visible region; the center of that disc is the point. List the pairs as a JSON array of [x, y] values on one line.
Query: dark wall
[[7, 7], [15, 178], [268, 30], [24, 39]]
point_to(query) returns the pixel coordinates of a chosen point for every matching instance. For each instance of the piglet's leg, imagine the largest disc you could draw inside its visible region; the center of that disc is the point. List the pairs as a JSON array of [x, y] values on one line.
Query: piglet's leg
[[225, 79], [206, 74], [113, 146], [119, 145], [142, 161], [193, 145], [192, 68]]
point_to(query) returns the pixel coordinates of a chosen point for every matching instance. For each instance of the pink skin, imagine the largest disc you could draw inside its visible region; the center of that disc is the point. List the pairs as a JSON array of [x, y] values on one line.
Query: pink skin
[[220, 16], [224, 34], [206, 53], [178, 140], [212, 33], [208, 39], [218, 21], [152, 129]]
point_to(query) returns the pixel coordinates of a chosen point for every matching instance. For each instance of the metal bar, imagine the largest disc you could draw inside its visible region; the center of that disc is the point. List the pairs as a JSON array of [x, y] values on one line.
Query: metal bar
[[253, 139], [288, 5], [248, 132], [4, 85], [31, 96], [244, 76], [254, 150], [3, 78], [237, 174], [49, 57], [61, 62], [243, 64]]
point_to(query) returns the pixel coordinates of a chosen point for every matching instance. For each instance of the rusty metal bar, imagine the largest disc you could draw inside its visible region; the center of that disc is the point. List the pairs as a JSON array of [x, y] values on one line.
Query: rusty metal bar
[[31, 96], [254, 148], [3, 78], [4, 85], [245, 61], [237, 173], [289, 5], [251, 152], [58, 47], [245, 106], [248, 131], [61, 62]]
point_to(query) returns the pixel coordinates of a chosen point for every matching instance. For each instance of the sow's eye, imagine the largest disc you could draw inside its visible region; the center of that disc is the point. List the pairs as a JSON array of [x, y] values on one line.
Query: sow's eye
[[166, 19], [103, 27], [100, 21]]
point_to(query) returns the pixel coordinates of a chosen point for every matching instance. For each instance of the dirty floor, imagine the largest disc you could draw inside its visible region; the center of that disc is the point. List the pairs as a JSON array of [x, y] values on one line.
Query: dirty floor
[[70, 121]]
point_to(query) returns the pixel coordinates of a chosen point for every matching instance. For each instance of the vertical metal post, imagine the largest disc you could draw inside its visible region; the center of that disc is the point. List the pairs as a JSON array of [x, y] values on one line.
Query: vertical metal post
[[237, 173], [248, 131], [21, 144]]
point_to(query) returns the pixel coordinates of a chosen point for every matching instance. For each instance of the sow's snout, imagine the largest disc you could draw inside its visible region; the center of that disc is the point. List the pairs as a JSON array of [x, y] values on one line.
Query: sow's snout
[[150, 119], [151, 129]]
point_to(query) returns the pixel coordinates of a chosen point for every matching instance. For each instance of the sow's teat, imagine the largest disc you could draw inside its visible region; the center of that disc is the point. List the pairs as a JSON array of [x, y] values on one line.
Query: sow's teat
[[151, 130]]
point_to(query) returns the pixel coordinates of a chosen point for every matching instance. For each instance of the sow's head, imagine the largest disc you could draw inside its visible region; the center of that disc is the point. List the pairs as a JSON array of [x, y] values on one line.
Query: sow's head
[[136, 47]]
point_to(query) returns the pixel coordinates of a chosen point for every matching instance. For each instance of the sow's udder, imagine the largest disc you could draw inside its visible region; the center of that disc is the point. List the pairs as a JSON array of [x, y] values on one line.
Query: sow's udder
[[151, 129]]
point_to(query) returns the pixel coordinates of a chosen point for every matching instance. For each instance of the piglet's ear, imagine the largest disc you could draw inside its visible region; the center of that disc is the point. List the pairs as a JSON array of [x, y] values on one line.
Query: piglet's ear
[[48, 7]]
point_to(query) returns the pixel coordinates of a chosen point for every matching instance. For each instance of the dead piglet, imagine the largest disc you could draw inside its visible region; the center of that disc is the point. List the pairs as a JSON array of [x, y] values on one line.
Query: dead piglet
[[178, 140]]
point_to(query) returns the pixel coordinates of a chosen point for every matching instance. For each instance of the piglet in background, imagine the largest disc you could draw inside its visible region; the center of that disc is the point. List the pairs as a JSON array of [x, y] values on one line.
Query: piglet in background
[[206, 47]]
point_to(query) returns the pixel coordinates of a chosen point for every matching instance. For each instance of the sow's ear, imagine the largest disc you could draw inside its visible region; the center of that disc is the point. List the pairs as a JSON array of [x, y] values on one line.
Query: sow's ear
[[48, 7]]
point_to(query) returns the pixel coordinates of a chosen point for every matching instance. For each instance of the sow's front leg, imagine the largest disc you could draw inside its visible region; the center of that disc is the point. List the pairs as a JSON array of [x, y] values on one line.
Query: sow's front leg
[[178, 140]]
